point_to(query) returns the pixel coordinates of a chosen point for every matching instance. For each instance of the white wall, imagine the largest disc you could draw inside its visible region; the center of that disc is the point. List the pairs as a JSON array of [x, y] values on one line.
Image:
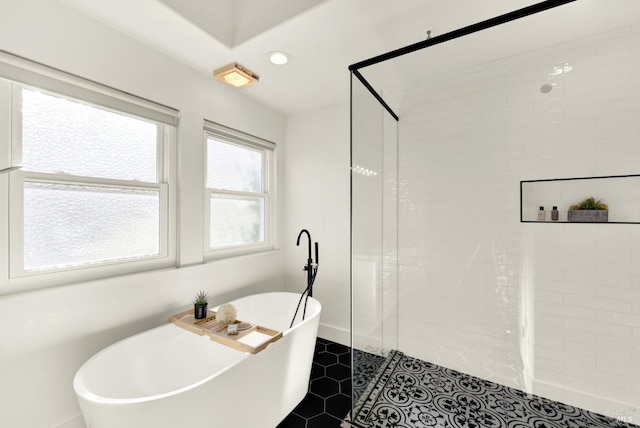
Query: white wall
[[317, 198], [549, 308], [47, 334]]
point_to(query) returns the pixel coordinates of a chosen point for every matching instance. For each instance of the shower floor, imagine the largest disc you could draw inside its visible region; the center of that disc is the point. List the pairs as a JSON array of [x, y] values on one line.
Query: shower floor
[[411, 393]]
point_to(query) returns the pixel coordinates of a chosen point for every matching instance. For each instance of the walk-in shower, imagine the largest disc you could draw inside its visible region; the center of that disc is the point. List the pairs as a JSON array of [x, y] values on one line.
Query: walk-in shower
[[443, 132]]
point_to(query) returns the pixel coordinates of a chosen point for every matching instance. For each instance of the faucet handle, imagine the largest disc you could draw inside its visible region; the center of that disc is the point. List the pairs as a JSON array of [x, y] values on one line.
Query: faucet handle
[[317, 255]]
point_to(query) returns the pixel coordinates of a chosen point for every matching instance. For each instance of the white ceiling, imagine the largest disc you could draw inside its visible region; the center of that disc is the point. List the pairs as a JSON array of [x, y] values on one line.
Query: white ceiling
[[323, 37], [233, 22]]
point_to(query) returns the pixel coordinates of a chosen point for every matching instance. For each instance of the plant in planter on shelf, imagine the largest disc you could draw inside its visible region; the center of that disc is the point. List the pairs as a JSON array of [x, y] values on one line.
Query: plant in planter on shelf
[[589, 210], [200, 305]]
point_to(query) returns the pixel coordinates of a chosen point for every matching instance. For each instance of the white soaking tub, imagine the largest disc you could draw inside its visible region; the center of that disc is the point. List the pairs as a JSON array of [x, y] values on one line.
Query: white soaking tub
[[169, 377]]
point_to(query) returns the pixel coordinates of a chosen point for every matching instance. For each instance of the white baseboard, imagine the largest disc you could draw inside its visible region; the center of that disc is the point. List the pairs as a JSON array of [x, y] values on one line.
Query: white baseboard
[[621, 411], [334, 334], [76, 421], [340, 335]]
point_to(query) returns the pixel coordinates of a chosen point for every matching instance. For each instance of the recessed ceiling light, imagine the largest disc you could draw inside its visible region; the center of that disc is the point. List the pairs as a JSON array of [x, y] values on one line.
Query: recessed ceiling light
[[278, 57], [236, 75]]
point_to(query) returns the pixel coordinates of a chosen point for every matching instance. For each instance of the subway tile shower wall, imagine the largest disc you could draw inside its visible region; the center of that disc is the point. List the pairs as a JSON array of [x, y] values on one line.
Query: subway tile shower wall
[[549, 309]]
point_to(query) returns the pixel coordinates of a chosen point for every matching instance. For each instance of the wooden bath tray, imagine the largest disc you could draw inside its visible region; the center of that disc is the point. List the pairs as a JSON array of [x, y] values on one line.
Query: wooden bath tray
[[253, 338]]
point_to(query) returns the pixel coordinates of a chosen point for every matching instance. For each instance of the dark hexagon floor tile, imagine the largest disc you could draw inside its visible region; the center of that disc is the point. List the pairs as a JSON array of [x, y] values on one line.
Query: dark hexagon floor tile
[[345, 386], [326, 358], [329, 389], [338, 349], [293, 421], [338, 405], [338, 372], [317, 371], [325, 387], [310, 406], [324, 421]]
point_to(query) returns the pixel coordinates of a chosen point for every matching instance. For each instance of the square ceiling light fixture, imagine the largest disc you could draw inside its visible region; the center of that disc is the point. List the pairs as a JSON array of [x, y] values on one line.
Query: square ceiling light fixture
[[236, 75]]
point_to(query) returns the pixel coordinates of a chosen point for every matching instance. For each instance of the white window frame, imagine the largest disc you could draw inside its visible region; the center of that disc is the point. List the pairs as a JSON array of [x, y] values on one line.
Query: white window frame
[[268, 149], [16, 74]]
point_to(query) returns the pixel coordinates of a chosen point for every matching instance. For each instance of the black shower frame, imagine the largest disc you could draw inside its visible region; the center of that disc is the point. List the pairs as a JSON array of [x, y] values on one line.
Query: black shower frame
[[455, 34]]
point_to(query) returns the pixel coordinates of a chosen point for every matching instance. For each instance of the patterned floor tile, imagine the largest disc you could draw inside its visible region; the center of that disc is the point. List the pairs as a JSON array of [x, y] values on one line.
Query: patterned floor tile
[[411, 393]]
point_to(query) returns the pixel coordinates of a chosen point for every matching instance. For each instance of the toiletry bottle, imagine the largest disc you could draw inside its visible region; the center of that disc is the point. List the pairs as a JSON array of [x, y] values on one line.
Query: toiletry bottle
[[555, 214], [541, 214]]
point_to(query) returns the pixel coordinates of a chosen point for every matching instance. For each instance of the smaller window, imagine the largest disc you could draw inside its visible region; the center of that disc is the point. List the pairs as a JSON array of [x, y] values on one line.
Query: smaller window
[[238, 192]]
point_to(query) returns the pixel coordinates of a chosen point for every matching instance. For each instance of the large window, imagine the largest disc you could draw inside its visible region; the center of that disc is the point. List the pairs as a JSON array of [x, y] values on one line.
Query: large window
[[238, 192], [93, 195]]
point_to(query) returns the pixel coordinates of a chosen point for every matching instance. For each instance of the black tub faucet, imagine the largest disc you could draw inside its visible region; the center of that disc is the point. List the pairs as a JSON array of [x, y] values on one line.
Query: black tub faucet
[[310, 267]]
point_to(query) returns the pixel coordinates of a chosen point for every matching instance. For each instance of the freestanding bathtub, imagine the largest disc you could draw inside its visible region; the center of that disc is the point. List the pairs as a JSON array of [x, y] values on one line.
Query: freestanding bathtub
[[168, 377]]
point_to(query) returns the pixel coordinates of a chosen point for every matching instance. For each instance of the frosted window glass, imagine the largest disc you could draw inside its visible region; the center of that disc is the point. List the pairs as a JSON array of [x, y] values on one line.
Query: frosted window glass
[[231, 167], [68, 225], [236, 221], [62, 136]]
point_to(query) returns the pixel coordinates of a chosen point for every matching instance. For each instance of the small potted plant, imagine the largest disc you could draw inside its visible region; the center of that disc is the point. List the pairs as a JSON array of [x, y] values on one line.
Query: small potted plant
[[589, 210], [200, 305]]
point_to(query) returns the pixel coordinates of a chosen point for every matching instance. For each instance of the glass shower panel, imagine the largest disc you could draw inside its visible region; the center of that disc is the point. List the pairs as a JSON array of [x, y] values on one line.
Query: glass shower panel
[[479, 291], [373, 236], [367, 231]]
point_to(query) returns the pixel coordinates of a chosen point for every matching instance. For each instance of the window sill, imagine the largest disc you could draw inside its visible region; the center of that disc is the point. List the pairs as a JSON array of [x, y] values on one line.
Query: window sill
[[213, 256]]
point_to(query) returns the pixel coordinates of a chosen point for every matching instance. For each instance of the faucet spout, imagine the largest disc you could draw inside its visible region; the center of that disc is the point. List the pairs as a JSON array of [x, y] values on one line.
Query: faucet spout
[[309, 238]]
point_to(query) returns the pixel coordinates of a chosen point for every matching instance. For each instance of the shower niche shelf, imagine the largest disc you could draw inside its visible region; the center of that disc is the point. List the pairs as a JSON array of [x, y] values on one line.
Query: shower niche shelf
[[250, 338], [620, 192]]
